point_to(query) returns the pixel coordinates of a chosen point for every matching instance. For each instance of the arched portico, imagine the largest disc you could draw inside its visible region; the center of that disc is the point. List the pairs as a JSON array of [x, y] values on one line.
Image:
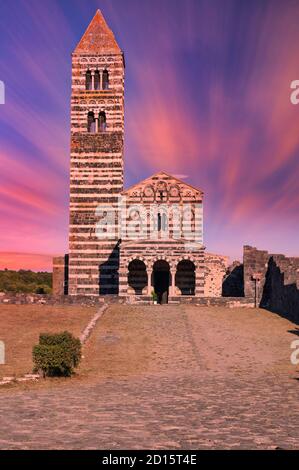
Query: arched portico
[[172, 271]]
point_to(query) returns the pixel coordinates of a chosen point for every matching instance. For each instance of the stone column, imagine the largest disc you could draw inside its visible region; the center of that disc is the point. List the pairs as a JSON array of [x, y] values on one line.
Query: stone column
[[149, 281], [92, 80], [97, 125], [172, 288], [199, 281]]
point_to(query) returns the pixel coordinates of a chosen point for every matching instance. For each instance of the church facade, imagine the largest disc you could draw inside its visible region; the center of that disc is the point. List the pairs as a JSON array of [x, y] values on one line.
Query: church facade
[[137, 242]]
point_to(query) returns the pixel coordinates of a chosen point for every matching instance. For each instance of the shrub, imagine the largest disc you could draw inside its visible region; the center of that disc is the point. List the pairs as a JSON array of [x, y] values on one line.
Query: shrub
[[154, 296], [57, 354], [44, 289]]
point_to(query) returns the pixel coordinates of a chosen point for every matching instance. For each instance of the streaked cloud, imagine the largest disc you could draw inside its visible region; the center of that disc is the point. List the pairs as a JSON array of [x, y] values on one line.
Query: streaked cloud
[[207, 98]]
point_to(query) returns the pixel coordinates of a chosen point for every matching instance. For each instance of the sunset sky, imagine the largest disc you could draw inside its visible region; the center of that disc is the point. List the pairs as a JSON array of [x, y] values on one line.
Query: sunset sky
[[207, 99]]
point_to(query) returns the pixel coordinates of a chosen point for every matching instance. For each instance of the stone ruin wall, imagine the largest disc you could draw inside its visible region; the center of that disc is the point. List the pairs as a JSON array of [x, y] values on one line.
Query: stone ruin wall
[[60, 275], [277, 281], [215, 271]]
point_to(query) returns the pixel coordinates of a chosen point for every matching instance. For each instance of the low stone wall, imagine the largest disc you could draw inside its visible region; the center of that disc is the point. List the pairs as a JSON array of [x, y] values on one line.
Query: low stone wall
[[91, 325], [229, 302], [18, 299]]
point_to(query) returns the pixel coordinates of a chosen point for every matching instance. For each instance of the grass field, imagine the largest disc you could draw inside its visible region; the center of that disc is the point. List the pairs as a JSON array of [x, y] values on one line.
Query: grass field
[[133, 340], [20, 326], [136, 340]]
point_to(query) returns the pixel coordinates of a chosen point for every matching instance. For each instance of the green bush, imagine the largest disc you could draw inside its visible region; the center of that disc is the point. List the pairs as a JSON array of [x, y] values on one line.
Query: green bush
[[154, 296], [43, 290], [57, 354]]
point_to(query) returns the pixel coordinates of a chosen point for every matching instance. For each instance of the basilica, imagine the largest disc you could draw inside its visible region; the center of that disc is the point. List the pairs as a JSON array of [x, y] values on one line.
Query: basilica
[[141, 242]]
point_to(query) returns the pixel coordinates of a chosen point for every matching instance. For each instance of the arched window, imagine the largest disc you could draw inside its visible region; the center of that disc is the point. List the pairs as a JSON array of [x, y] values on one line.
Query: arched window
[[162, 222], [102, 121], [97, 80], [105, 80], [91, 122], [88, 80], [159, 224]]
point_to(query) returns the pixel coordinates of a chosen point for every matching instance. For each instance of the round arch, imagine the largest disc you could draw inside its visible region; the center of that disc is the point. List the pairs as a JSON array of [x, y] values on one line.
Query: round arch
[[137, 276], [187, 258], [161, 279], [185, 277], [161, 258]]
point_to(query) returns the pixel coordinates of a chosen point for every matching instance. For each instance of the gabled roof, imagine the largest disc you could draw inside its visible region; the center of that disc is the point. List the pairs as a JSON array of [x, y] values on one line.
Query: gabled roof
[[98, 38], [161, 174]]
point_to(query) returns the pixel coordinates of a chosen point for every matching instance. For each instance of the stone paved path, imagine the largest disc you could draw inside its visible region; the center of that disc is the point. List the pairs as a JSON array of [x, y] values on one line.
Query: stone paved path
[[199, 408]]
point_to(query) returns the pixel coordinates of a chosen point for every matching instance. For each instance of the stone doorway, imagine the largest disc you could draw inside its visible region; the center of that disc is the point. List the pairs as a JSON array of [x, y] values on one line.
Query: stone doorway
[[161, 275]]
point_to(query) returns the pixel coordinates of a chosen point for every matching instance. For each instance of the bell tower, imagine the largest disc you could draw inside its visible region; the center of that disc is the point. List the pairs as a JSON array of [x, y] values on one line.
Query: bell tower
[[96, 167]]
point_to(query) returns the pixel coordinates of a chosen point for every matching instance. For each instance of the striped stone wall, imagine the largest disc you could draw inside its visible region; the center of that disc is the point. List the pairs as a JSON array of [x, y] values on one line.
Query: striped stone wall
[[179, 204], [174, 242], [96, 167], [149, 252]]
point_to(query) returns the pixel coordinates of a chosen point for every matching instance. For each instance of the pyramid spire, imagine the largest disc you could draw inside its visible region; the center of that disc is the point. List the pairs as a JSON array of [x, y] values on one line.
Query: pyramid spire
[[98, 38]]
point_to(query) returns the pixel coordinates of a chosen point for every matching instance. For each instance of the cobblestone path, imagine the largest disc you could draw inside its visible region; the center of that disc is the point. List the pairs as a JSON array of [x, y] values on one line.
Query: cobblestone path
[[197, 408]]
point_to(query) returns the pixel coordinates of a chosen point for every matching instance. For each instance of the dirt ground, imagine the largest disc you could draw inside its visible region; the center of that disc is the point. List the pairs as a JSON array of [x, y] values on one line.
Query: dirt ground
[[134, 340], [20, 326], [166, 377]]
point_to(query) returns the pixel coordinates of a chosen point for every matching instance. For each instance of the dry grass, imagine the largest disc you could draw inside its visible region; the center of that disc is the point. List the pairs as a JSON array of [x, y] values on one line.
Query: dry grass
[[134, 340], [139, 340], [20, 326], [123, 342]]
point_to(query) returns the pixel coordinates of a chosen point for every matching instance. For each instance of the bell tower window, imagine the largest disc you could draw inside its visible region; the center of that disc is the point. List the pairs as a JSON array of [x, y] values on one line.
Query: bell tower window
[[102, 121], [105, 80], [91, 122], [97, 80], [88, 80]]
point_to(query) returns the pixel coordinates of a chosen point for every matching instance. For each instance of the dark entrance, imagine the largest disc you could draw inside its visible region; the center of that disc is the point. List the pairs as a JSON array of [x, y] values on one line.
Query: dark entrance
[[137, 277], [185, 277], [161, 275]]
